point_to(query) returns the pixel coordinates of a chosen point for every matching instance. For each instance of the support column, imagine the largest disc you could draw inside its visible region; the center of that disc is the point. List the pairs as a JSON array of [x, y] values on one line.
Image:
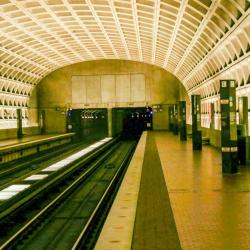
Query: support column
[[212, 115], [171, 118], [110, 132], [228, 126], [196, 122], [42, 121], [182, 116], [243, 114], [19, 123], [242, 129], [175, 119], [69, 121]]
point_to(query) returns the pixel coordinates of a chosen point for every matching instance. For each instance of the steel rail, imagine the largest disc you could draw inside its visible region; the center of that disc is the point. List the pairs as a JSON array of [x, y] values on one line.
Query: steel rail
[[81, 240], [21, 199], [35, 159], [63, 195]]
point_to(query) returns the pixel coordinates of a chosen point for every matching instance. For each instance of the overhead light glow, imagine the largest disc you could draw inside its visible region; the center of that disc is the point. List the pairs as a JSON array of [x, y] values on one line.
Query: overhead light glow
[[36, 177], [12, 190], [58, 165]]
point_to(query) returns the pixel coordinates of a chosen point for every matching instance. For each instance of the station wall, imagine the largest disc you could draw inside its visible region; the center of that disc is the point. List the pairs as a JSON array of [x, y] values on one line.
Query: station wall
[[106, 84]]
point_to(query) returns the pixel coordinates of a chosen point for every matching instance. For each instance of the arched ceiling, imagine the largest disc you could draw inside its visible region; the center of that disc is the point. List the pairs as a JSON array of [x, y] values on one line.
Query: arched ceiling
[[196, 40]]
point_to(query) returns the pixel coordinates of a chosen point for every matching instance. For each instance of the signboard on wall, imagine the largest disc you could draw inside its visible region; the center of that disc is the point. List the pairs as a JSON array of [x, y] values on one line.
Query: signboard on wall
[[100, 89]]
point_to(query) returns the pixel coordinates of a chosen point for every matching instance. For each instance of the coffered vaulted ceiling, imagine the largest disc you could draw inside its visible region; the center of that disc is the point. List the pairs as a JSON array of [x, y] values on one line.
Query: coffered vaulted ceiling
[[199, 41]]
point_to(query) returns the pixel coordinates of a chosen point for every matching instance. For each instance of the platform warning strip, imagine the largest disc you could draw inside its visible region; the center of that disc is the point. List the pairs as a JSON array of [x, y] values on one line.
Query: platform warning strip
[[117, 231], [154, 224]]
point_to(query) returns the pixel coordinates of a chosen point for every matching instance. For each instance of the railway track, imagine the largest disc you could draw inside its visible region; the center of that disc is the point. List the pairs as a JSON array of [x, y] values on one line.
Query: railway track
[[71, 216], [18, 168]]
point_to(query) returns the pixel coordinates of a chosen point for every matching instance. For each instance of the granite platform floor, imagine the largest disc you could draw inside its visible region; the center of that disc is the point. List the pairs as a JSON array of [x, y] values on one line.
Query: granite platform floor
[[211, 210], [31, 138]]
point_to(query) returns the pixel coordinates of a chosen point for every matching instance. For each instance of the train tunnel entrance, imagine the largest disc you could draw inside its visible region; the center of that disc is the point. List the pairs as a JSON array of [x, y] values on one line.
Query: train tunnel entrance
[[88, 124], [130, 122]]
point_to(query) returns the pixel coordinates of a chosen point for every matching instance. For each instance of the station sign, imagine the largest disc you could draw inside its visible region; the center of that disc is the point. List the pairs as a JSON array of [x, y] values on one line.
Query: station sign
[[228, 126], [182, 120]]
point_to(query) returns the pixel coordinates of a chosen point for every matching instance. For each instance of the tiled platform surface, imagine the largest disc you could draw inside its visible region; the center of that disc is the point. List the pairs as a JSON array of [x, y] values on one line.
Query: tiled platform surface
[[210, 210], [27, 139], [8, 142]]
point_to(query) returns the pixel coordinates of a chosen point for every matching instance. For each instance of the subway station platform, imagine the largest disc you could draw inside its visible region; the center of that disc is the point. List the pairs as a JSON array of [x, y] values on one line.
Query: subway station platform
[[13, 149], [175, 198], [17, 142]]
